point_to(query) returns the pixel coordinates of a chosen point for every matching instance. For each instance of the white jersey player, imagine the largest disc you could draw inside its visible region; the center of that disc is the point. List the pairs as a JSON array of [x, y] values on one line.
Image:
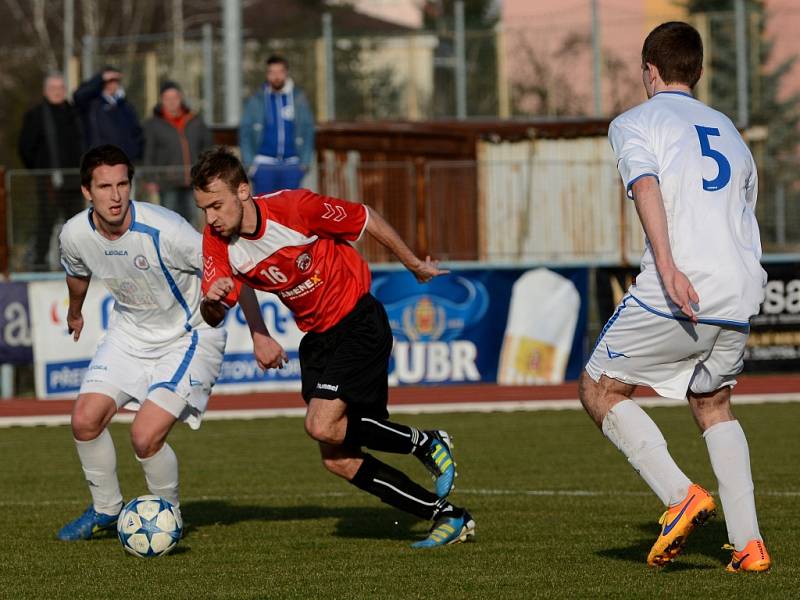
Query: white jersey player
[[158, 356], [681, 329]]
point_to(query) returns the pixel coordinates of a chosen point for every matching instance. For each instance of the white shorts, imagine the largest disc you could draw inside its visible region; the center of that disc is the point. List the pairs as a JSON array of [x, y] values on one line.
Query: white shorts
[[179, 380], [640, 347]]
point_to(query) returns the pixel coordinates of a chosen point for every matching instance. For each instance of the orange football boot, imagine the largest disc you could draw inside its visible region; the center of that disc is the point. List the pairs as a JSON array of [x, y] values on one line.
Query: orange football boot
[[678, 522], [753, 558]]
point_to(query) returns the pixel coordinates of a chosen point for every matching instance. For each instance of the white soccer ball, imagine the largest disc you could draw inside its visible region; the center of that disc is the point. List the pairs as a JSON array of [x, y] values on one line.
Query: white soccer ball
[[149, 526]]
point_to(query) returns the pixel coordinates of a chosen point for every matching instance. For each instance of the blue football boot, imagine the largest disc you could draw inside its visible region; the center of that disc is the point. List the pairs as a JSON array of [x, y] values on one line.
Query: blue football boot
[[437, 457], [85, 526], [448, 530]]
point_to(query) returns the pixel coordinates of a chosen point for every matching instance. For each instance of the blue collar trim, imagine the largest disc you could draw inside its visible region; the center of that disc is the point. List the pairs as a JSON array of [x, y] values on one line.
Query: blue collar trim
[[133, 216], [672, 92]]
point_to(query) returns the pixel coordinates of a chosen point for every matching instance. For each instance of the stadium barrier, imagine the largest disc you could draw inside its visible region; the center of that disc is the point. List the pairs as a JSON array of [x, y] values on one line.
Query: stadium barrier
[[529, 329], [477, 325]]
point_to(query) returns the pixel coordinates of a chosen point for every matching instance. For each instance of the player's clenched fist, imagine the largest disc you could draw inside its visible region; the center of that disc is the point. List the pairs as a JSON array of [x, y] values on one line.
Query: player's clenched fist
[[219, 289], [269, 353]]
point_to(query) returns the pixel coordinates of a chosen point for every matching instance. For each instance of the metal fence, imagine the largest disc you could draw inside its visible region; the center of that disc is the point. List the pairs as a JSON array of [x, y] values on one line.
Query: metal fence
[[511, 68], [526, 210]]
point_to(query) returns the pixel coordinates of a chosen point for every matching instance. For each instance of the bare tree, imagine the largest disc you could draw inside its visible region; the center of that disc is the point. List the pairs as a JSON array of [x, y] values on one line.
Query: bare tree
[[177, 38], [544, 83], [35, 28], [541, 85], [40, 26]]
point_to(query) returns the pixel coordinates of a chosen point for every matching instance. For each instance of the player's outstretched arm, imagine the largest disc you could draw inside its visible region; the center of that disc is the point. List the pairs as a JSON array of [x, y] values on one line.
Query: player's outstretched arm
[[269, 353], [650, 206], [380, 229], [78, 287]]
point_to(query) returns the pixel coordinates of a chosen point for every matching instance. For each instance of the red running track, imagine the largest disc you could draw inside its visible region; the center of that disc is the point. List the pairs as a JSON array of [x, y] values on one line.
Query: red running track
[[754, 384]]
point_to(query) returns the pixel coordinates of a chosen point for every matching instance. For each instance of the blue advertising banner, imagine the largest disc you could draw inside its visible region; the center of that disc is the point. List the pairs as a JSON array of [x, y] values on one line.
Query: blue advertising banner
[[15, 330], [511, 326], [486, 325]]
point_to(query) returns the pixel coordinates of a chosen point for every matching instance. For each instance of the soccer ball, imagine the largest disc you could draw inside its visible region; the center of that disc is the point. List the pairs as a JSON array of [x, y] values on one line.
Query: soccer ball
[[149, 526]]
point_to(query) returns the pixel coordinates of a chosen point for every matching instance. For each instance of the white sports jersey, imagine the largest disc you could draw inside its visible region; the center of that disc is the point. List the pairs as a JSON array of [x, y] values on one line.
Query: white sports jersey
[[709, 184], [152, 271]]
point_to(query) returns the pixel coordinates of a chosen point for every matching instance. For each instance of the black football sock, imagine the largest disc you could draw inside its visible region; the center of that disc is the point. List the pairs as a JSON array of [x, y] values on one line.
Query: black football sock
[[393, 487], [385, 436]]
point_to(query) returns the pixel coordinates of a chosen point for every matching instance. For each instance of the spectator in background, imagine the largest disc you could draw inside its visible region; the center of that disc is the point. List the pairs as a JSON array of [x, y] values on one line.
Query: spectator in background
[[276, 135], [51, 138], [174, 137], [108, 118]]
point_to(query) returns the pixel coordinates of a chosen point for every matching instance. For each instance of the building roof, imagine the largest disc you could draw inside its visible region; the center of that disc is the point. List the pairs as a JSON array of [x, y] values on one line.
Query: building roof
[[295, 18]]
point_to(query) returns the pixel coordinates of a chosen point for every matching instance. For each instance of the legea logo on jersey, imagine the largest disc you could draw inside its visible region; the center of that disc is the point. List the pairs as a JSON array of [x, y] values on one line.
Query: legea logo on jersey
[[114, 252], [427, 326]]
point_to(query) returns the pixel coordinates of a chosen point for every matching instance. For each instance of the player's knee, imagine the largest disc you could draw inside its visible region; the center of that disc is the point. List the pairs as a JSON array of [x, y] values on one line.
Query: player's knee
[[144, 443], [86, 425], [321, 431]]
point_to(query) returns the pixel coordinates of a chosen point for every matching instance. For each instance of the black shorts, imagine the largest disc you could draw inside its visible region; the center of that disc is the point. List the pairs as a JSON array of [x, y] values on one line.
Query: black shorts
[[351, 360]]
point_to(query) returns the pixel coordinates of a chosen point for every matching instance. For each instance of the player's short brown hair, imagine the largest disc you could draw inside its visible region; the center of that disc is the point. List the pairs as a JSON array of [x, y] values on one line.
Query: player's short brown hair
[[676, 49], [107, 154], [218, 163]]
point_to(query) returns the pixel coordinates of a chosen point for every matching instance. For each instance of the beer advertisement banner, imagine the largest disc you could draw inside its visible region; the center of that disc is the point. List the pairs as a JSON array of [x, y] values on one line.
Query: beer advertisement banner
[[512, 326]]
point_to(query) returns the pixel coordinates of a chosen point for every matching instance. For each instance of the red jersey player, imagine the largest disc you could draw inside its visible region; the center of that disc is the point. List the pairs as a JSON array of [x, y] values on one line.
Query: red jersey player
[[296, 244]]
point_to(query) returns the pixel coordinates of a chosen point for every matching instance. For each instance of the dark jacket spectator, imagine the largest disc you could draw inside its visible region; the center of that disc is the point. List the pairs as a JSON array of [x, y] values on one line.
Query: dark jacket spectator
[[108, 118], [174, 138], [51, 138], [51, 135]]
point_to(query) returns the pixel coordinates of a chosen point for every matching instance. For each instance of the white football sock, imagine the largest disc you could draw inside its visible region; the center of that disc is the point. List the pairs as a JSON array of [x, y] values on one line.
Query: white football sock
[[161, 474], [640, 440], [99, 461], [730, 459]]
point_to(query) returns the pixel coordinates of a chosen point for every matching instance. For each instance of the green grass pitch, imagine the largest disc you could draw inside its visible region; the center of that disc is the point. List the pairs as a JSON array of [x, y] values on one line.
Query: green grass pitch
[[559, 512]]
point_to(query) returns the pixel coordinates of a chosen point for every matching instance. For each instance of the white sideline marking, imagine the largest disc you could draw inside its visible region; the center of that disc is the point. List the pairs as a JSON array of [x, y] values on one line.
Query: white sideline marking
[[467, 492], [409, 409]]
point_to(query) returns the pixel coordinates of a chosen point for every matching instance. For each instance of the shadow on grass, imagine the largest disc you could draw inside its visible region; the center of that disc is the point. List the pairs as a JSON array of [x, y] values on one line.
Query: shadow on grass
[[105, 534], [371, 523], [706, 540]]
